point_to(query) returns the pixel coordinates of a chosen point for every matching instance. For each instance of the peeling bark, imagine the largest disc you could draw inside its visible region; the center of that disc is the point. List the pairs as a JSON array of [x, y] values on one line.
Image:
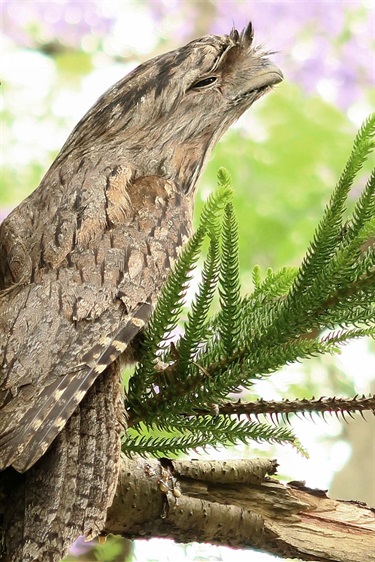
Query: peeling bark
[[238, 504]]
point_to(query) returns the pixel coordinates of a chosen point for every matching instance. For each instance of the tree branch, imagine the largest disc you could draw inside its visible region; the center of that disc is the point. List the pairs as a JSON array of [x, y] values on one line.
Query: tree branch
[[273, 408], [237, 504]]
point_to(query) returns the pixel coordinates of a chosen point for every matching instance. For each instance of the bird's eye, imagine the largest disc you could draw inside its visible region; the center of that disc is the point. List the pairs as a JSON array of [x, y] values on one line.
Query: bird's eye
[[205, 82]]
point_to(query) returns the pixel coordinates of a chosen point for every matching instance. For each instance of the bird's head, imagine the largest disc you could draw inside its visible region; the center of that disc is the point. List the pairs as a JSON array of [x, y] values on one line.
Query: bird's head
[[168, 113]]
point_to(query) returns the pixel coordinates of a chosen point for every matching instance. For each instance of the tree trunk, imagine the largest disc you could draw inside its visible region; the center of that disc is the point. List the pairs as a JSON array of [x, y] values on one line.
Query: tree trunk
[[237, 504]]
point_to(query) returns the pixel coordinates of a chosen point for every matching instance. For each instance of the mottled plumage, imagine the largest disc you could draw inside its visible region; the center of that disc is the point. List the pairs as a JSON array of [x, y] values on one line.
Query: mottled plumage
[[82, 260]]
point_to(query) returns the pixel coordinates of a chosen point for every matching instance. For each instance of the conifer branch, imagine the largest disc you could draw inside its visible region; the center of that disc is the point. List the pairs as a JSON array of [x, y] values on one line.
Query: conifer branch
[[222, 431], [178, 396], [229, 288], [282, 409], [195, 326]]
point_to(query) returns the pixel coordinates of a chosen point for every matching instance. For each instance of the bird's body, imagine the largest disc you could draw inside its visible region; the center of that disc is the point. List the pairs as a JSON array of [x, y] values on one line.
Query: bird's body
[[82, 260]]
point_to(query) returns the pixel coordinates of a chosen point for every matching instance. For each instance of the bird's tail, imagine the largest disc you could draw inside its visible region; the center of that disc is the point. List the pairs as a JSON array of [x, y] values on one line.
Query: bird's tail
[[67, 492], [24, 442]]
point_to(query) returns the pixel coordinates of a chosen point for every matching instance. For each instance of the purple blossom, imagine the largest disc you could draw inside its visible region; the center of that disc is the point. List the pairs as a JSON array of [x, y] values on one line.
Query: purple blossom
[[65, 21], [4, 212], [80, 547], [316, 40]]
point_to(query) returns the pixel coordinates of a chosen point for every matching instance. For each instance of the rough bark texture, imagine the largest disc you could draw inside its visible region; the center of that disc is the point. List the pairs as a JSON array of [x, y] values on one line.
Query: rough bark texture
[[82, 261], [235, 503]]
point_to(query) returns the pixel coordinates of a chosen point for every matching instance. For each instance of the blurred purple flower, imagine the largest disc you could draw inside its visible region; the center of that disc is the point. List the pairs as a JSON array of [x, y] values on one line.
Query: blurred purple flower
[[65, 22], [316, 40], [80, 547], [4, 212]]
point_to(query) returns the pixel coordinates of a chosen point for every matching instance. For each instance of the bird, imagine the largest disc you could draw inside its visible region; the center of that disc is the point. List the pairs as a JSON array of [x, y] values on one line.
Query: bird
[[82, 261]]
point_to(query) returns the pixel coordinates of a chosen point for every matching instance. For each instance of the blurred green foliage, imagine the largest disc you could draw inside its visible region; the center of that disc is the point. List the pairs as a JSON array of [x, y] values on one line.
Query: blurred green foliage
[[283, 181]]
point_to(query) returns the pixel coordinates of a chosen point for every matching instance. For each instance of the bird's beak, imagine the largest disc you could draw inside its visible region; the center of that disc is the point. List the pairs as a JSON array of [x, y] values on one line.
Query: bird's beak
[[267, 76]]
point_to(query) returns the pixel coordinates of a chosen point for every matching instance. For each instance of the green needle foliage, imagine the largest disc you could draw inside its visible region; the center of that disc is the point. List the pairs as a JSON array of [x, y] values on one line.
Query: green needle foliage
[[178, 396], [230, 299]]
